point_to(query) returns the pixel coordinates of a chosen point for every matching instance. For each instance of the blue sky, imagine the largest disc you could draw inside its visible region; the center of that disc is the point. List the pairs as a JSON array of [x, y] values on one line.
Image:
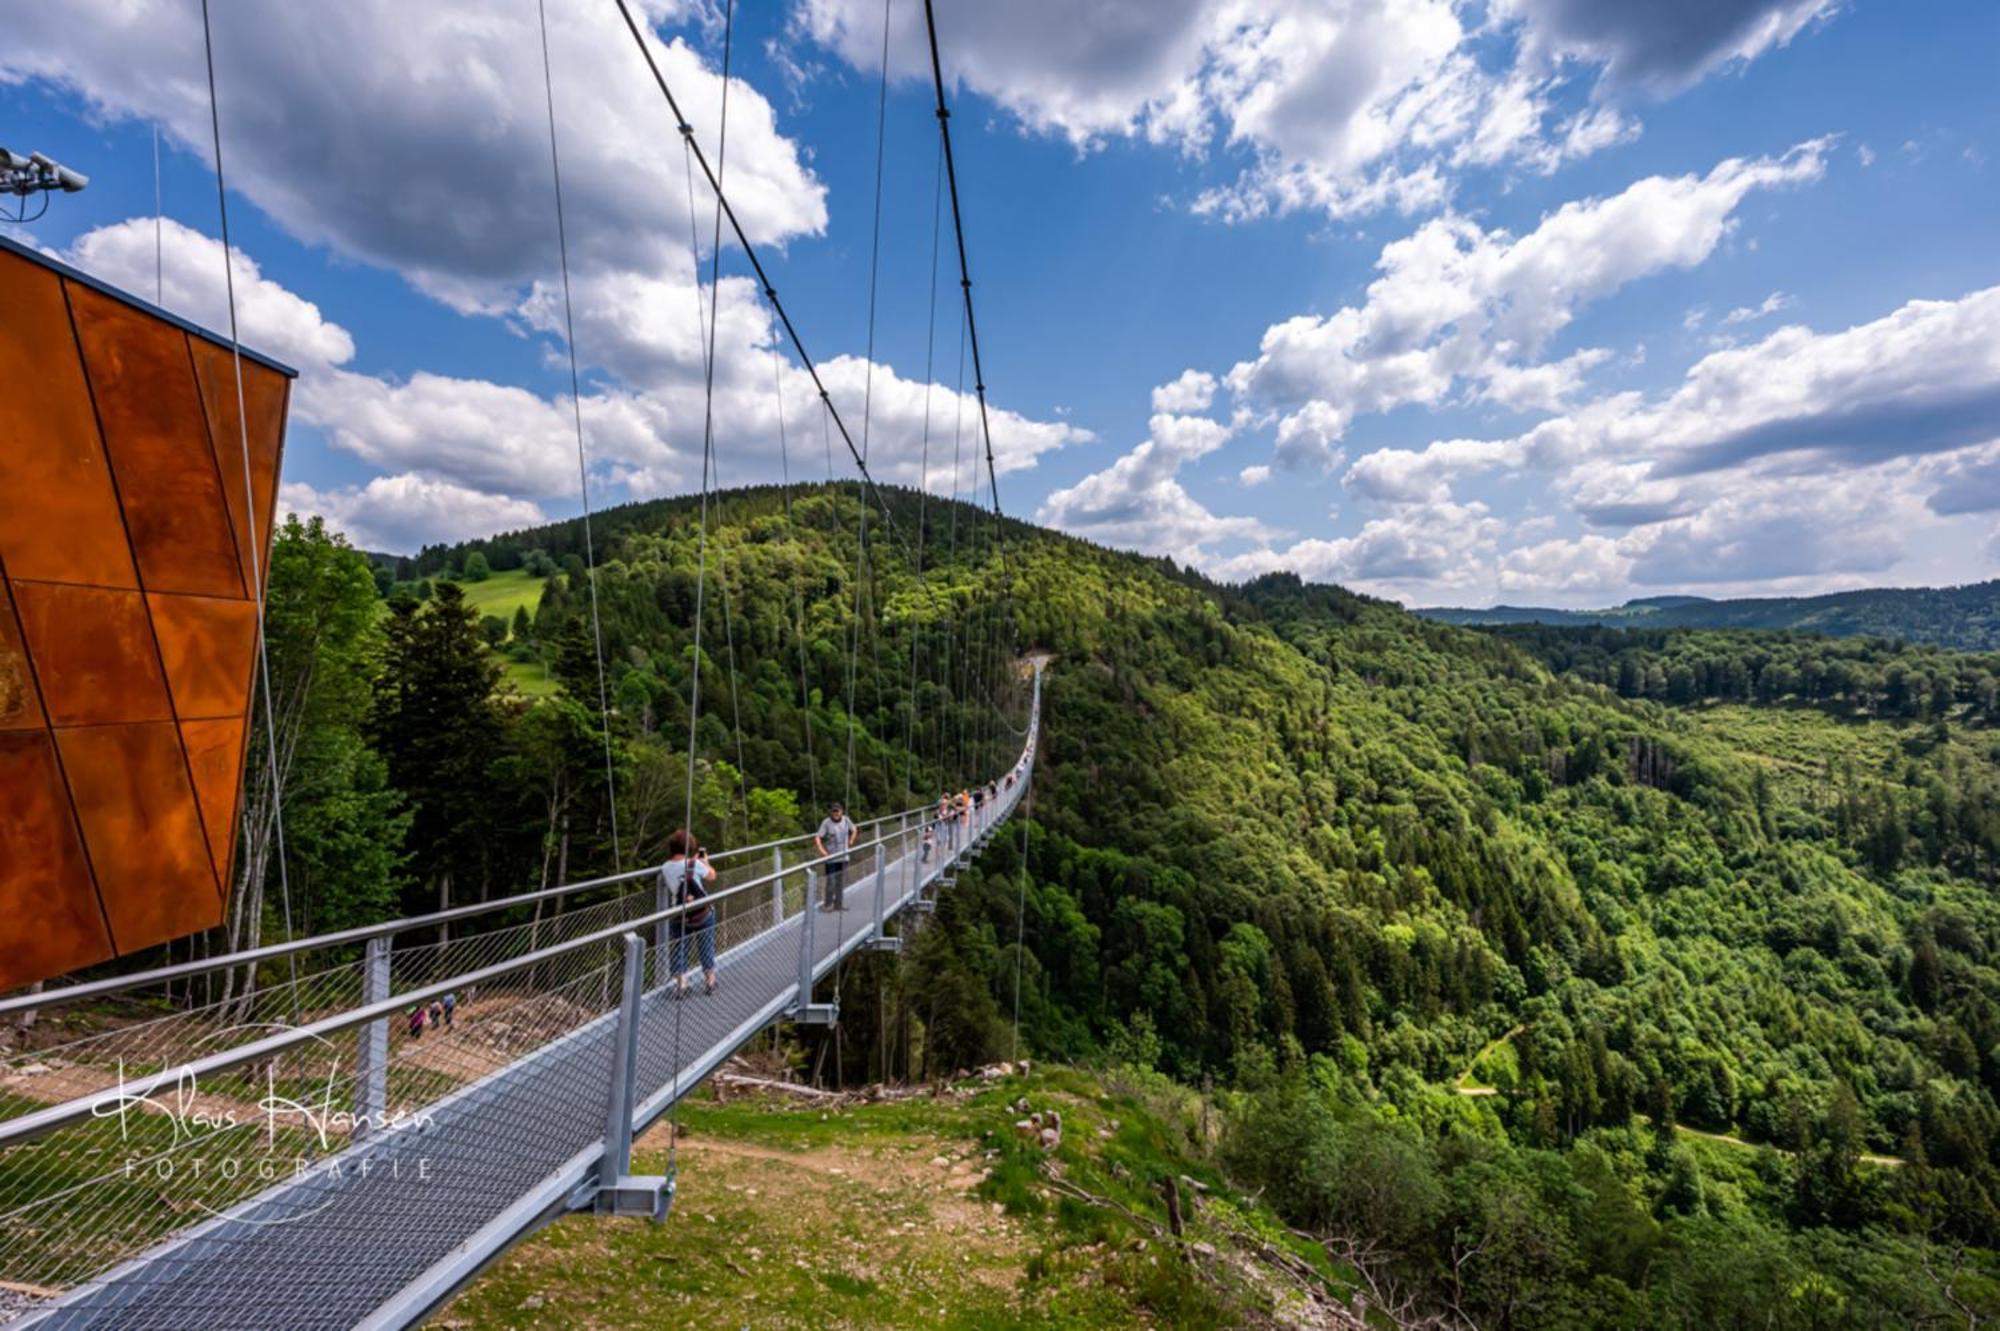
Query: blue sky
[[1523, 300]]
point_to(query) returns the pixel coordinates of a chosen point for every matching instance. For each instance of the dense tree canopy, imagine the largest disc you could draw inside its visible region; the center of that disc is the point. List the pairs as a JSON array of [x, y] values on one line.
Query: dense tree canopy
[[1504, 920]]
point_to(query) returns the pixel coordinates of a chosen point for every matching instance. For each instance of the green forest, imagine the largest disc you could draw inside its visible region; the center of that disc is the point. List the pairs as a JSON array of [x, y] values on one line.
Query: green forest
[[1965, 617], [1552, 977]]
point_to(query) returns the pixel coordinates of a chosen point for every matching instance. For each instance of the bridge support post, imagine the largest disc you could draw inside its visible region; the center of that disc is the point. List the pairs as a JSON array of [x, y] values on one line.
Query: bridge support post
[[778, 886], [663, 899], [879, 941], [804, 1010], [371, 1056], [619, 1191], [913, 849], [881, 884]]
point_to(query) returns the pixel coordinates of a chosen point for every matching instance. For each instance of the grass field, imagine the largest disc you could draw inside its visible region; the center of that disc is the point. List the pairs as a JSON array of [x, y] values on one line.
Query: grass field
[[930, 1213], [504, 593], [530, 678]]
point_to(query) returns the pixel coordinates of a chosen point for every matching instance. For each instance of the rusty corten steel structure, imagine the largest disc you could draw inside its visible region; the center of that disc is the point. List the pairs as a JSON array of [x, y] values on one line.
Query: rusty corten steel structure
[[128, 615]]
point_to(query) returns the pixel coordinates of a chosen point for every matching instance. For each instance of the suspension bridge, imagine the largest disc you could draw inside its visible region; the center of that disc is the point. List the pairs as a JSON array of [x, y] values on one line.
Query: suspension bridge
[[348, 1145], [404, 1160]]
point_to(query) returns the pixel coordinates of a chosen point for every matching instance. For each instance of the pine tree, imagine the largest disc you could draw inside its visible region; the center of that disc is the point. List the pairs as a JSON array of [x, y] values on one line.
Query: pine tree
[[438, 730]]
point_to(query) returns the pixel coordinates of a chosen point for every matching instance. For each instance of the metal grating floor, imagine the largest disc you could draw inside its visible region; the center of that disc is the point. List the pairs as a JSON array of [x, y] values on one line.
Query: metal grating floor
[[410, 1214]]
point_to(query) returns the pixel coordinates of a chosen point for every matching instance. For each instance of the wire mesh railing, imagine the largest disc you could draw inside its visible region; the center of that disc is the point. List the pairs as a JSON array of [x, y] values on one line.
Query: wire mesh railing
[[87, 1036], [374, 1112]]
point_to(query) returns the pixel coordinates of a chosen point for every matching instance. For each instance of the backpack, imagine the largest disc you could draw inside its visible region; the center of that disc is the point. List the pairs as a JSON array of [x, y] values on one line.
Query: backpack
[[687, 890]]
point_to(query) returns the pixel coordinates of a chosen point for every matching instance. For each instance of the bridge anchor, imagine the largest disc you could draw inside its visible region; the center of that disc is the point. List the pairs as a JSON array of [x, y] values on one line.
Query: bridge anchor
[[815, 1014]]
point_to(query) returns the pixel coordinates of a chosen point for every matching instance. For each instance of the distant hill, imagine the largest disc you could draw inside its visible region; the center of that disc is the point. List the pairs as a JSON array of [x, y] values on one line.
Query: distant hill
[[1966, 618]]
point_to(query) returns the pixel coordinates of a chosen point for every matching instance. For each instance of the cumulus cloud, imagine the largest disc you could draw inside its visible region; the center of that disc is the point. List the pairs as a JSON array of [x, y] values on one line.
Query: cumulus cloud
[[1966, 482], [1341, 106], [1456, 303], [1139, 501], [474, 435], [1435, 547], [275, 320], [1590, 564], [1660, 47], [415, 137], [1193, 391], [400, 514], [1923, 379]]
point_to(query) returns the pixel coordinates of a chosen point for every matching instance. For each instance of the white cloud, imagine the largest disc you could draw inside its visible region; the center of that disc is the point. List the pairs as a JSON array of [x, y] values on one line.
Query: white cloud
[[1660, 48], [1341, 106], [1589, 564], [1770, 531], [1965, 482], [401, 514], [1139, 501], [1253, 476], [1770, 305], [1437, 547], [271, 318], [1456, 302], [1193, 391], [416, 136], [1923, 379]]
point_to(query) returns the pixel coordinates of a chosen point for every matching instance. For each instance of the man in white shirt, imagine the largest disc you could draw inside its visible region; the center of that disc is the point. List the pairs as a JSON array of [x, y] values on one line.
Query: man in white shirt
[[835, 836]]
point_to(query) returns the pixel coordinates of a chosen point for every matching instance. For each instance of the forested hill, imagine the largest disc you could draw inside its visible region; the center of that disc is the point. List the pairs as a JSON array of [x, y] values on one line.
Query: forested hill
[[1967, 618], [1547, 1006]]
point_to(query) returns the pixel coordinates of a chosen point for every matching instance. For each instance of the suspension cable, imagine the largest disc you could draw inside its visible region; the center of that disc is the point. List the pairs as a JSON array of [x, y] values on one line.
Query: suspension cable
[[770, 291], [924, 472], [1021, 912], [582, 465], [798, 578], [701, 546], [971, 322], [159, 226], [868, 385], [250, 511]]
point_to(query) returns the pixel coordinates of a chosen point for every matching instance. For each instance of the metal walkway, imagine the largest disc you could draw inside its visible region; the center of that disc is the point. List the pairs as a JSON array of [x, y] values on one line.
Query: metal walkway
[[379, 1233]]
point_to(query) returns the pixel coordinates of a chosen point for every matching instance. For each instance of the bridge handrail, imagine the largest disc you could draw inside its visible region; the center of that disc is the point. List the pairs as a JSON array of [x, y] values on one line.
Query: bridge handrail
[[43, 1121], [113, 984]]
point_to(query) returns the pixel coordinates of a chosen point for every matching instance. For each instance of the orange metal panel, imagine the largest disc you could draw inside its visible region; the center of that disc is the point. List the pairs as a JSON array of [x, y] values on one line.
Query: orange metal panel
[[144, 833], [142, 379], [265, 394], [61, 520], [47, 906], [208, 645], [93, 653], [20, 703], [215, 756]]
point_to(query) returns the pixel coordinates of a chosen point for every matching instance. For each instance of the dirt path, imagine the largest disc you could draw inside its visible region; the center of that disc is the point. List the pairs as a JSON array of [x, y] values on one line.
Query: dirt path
[[1885, 1161], [1459, 1085]]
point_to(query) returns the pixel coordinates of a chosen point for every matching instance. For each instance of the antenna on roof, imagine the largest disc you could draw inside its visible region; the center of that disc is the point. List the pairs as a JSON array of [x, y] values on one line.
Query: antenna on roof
[[37, 173]]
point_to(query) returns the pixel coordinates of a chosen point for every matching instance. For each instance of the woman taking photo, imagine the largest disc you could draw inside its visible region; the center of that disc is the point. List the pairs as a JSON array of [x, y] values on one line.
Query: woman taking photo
[[688, 875]]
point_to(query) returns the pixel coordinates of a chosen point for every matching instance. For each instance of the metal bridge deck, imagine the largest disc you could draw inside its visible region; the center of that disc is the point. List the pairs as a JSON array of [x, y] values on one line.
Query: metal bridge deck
[[338, 1248]]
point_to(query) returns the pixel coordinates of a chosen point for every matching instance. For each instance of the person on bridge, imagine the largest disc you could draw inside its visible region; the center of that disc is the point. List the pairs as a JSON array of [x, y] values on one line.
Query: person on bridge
[[688, 875], [944, 821], [835, 835]]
